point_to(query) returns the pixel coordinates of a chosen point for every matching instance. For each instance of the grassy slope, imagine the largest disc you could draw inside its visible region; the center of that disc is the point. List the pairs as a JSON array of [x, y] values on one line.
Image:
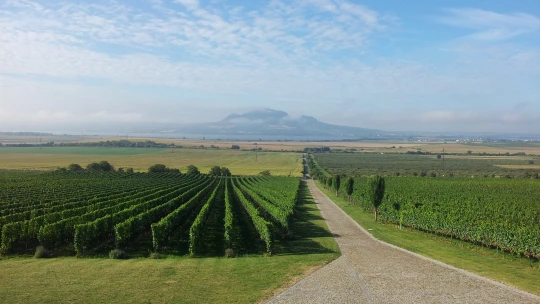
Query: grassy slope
[[239, 162], [176, 279], [483, 262]]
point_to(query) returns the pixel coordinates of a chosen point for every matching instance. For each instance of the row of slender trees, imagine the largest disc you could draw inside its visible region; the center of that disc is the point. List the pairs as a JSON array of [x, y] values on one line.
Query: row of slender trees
[[374, 190]]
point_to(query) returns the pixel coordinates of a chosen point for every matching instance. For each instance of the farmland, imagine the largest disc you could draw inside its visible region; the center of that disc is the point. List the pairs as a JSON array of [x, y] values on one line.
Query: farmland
[[175, 277], [162, 212], [240, 162], [501, 214], [502, 267], [481, 222], [365, 164]]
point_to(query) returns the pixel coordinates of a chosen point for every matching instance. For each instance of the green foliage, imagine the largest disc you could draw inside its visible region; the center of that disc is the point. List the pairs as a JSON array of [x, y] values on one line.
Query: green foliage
[[265, 173], [174, 218], [75, 167], [93, 166], [225, 171], [229, 253], [192, 170], [337, 183], [235, 147], [215, 171], [42, 252], [375, 192], [501, 213], [389, 164], [229, 217], [157, 168], [105, 166], [197, 227], [349, 187], [90, 209], [118, 254], [155, 255], [263, 227]]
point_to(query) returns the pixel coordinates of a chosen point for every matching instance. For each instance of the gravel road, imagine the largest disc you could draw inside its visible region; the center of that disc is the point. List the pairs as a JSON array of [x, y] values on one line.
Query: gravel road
[[371, 271]]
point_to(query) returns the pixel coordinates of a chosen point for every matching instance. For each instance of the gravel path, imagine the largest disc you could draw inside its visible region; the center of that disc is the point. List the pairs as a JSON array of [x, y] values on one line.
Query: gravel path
[[371, 271]]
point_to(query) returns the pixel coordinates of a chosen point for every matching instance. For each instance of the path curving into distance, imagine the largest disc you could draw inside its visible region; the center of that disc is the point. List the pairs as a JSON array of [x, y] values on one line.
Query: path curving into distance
[[371, 271]]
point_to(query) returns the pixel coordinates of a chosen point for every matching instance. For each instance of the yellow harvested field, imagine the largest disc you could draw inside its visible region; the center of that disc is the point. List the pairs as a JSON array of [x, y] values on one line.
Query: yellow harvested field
[[393, 146], [239, 162], [361, 146], [520, 166]]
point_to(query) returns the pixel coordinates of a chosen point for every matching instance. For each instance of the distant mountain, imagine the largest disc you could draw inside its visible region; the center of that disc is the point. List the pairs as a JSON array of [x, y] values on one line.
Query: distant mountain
[[276, 123]]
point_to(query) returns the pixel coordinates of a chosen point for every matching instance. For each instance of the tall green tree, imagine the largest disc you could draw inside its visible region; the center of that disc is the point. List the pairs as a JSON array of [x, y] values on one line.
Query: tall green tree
[[265, 173], [215, 171], [329, 181], [75, 167], [191, 169], [375, 192], [337, 184], [105, 166], [157, 168], [349, 187], [225, 171], [93, 166]]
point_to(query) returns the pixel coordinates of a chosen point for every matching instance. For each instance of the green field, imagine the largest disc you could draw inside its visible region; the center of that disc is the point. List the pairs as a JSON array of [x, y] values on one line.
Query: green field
[[391, 164], [239, 162], [247, 279]]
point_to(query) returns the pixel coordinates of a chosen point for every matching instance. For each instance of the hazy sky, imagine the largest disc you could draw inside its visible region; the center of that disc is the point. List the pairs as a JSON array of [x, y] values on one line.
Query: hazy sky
[[393, 65]]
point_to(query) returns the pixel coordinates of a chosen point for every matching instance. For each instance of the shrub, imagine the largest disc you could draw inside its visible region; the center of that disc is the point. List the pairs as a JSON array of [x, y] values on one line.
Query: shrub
[[75, 167], [117, 254], [229, 253], [265, 173], [155, 255], [42, 252]]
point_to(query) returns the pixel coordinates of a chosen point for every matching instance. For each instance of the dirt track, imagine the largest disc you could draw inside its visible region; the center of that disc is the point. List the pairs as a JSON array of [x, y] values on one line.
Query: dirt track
[[371, 271]]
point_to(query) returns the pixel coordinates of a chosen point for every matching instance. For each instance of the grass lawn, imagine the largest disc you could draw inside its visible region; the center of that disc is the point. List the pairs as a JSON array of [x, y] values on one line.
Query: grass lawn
[[485, 262], [245, 279], [239, 162]]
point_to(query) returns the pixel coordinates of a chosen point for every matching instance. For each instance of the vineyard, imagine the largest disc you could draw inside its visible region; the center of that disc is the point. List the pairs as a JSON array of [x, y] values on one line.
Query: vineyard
[[87, 213], [395, 164], [498, 213]]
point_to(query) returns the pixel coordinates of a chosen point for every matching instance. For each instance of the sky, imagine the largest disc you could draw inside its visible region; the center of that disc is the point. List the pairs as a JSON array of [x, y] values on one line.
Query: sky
[[418, 65]]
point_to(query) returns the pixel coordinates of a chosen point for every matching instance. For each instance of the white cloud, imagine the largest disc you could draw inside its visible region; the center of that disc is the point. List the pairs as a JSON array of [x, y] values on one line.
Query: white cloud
[[297, 56], [492, 26], [190, 4]]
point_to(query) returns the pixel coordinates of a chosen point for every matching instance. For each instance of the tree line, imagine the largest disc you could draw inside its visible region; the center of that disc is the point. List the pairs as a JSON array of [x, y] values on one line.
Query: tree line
[[105, 166]]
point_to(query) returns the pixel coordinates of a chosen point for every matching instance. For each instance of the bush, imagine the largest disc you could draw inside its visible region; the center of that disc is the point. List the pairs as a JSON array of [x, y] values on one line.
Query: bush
[[75, 167], [229, 253], [41, 253], [117, 254], [265, 173], [155, 255]]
